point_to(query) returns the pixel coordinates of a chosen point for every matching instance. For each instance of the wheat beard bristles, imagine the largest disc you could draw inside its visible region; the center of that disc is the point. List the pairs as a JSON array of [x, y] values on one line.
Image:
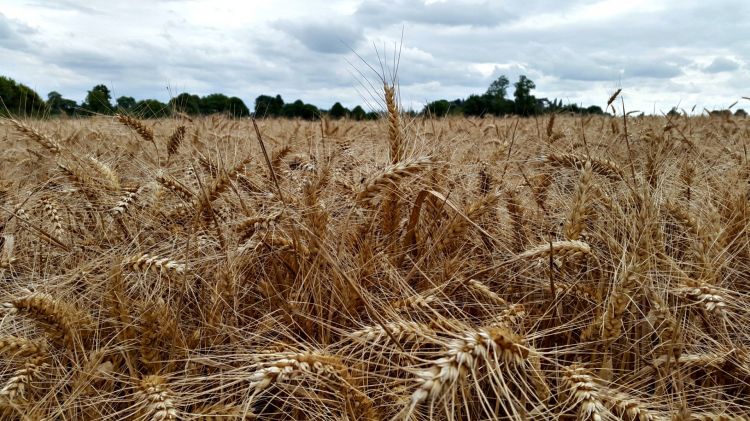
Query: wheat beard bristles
[[560, 249], [391, 176], [146, 262], [64, 319], [157, 399], [44, 140], [145, 132], [14, 388], [462, 356], [584, 393]]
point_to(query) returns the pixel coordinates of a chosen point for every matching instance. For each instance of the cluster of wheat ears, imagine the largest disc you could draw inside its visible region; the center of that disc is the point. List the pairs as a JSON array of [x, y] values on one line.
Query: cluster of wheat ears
[[558, 267]]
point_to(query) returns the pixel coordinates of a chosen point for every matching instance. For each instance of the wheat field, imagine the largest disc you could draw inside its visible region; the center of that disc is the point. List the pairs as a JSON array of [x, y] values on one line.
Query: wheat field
[[556, 267]]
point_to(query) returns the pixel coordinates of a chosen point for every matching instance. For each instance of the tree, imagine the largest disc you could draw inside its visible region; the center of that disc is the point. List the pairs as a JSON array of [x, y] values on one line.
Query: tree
[[301, 110], [525, 103], [237, 108], [98, 100], [499, 88], [740, 113], [338, 111], [358, 113], [126, 103], [439, 108], [186, 103], [151, 108], [268, 106], [214, 103], [476, 105], [57, 105], [19, 99]]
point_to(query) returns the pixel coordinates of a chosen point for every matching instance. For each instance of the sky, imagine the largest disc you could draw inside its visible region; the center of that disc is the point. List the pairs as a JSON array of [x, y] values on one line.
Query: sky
[[662, 53]]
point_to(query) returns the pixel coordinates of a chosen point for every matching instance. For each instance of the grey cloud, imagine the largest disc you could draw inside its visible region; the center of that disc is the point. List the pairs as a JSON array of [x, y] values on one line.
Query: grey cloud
[[655, 69], [14, 34], [323, 37], [64, 5], [721, 64], [382, 13]]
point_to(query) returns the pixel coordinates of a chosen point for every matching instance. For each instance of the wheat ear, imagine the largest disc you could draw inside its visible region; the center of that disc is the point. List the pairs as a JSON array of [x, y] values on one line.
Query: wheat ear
[[391, 176], [157, 400]]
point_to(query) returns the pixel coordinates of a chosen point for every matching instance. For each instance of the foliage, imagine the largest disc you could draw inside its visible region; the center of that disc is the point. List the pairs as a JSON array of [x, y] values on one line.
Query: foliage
[[298, 109], [186, 103], [151, 108], [126, 103], [19, 99], [338, 111], [525, 103], [98, 100], [58, 105], [499, 87], [442, 108], [268, 106]]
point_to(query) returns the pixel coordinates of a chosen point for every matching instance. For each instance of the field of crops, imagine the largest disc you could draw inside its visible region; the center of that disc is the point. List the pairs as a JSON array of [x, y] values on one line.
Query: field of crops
[[567, 267]]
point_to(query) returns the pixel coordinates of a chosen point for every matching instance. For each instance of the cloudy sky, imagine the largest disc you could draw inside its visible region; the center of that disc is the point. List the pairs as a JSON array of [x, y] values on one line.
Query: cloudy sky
[[662, 53]]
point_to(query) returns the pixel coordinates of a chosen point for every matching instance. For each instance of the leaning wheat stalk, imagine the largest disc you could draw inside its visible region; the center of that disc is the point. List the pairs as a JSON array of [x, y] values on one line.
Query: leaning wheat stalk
[[45, 141], [146, 262], [157, 400], [391, 176], [464, 355], [559, 249]]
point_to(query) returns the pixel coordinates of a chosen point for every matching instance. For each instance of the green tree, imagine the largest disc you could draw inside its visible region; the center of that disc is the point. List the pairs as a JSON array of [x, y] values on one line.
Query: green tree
[[151, 108], [237, 108], [358, 113], [476, 105], [525, 103], [98, 100], [594, 109], [268, 106], [126, 103], [439, 108], [57, 105], [298, 109], [214, 103], [338, 111], [19, 99], [186, 103], [499, 88]]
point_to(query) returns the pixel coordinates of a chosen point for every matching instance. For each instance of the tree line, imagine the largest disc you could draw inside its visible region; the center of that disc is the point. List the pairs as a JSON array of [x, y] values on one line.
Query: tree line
[[19, 99], [495, 101]]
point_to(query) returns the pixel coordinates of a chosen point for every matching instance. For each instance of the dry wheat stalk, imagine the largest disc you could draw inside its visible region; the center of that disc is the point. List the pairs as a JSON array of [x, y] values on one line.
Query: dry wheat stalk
[[13, 347], [175, 140], [600, 166], [391, 177], [51, 209], [579, 210], [66, 322], [560, 249], [464, 354], [35, 135], [156, 264], [157, 400], [14, 389], [585, 395], [145, 132], [122, 205]]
